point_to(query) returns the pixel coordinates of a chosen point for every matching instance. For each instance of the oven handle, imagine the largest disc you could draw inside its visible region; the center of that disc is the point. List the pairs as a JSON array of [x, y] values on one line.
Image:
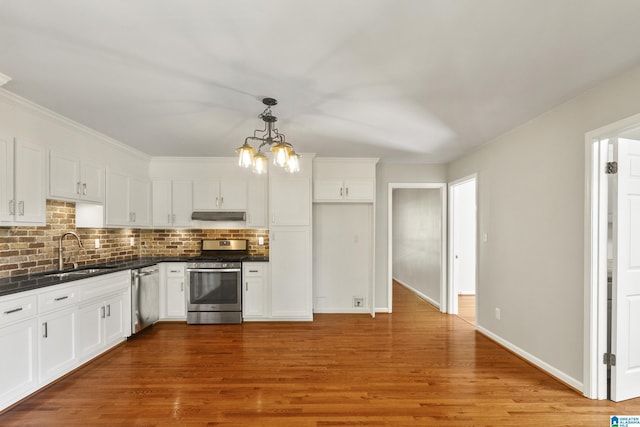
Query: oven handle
[[216, 270]]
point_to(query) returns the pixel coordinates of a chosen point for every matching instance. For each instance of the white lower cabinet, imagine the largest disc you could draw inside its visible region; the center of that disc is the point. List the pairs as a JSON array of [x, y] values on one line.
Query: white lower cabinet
[[255, 289], [173, 305], [18, 358], [100, 325], [57, 344], [51, 331], [290, 263]]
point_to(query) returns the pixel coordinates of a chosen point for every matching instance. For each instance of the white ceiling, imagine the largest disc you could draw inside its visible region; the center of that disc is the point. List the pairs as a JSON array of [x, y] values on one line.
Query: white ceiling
[[404, 80]]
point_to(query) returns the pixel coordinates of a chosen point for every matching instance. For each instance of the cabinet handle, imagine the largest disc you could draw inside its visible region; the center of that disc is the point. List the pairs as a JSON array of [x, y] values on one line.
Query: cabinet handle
[[15, 310], [134, 217], [253, 271], [169, 218], [78, 187], [61, 298], [109, 310], [45, 330], [102, 312], [216, 202], [181, 286], [84, 189], [221, 200], [347, 191], [246, 286], [273, 218], [340, 191], [21, 208]]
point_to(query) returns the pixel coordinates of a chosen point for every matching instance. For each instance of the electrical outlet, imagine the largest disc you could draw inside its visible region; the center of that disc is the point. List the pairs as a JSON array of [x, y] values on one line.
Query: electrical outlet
[[97, 243], [261, 240], [497, 314], [358, 302], [132, 241]]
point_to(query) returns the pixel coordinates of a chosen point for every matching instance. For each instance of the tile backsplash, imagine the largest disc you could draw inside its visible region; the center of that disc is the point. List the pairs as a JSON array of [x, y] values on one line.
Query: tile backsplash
[[28, 250]]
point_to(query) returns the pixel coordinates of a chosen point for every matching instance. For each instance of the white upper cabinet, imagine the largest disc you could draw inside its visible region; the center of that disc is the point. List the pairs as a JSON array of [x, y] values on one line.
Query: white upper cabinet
[[6, 180], [22, 183], [344, 180], [257, 200], [172, 203], [290, 195], [127, 200], [73, 179], [224, 195]]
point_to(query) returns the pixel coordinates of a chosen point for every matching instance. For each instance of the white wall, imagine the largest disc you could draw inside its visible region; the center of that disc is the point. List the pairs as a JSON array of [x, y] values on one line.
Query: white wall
[[342, 248], [531, 200], [23, 119], [417, 240], [394, 173]]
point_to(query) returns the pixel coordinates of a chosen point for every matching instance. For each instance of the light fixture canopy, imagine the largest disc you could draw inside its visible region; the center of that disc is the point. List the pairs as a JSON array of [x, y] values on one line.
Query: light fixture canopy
[[284, 155]]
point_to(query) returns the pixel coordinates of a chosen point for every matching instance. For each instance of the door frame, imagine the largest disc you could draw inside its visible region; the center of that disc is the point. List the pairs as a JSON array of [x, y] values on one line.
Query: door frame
[[452, 302], [595, 254], [443, 227]]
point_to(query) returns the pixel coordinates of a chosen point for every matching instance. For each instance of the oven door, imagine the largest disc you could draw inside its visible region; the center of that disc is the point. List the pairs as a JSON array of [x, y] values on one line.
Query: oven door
[[214, 289]]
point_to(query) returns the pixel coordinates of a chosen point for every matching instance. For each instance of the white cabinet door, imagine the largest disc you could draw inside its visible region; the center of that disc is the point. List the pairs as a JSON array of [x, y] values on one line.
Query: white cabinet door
[[233, 195], [114, 320], [64, 176], [290, 201], [327, 190], [117, 200], [139, 201], [359, 190], [30, 194], [92, 182], [181, 203], [176, 302], [17, 361], [57, 349], [254, 292], [90, 336], [6, 180], [206, 195], [161, 195], [257, 196], [290, 264]]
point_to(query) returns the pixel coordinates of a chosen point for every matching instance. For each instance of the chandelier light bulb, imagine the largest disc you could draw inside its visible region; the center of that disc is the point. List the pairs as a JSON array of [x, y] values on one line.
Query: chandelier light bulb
[[246, 155], [260, 163]]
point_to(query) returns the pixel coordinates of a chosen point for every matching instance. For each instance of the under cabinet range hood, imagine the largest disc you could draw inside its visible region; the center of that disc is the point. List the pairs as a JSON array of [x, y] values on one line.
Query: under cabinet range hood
[[218, 216]]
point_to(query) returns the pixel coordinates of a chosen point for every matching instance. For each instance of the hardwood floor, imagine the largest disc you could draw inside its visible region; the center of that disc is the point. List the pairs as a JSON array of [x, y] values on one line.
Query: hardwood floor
[[467, 308], [413, 367]]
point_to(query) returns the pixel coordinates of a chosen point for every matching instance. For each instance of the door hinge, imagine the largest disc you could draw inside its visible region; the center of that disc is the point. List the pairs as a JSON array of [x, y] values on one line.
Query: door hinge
[[612, 168], [609, 359]]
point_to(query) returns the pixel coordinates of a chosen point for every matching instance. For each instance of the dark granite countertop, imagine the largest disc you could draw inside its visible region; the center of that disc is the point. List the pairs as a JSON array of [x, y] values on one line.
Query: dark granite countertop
[[12, 285]]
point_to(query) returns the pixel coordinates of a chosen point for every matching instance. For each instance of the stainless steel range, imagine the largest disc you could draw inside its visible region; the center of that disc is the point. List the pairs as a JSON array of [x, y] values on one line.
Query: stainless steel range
[[214, 283]]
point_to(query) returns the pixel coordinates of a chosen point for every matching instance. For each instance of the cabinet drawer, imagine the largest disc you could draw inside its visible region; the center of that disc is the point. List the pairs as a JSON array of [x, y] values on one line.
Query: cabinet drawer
[[253, 270], [56, 299], [12, 310], [175, 270], [104, 285]]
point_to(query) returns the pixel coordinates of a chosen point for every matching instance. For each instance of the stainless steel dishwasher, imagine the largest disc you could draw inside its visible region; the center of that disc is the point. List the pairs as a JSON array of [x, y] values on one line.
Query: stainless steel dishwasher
[[145, 297]]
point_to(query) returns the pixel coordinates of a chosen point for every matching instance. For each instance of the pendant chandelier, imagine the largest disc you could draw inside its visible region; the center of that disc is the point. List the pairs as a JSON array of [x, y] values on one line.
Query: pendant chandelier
[[284, 155]]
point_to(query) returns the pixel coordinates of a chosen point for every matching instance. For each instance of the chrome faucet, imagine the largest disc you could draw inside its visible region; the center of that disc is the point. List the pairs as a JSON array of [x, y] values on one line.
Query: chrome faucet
[[60, 261]]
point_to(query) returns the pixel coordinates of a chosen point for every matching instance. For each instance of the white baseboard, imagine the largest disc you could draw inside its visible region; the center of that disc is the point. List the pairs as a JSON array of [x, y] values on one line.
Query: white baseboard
[[570, 381], [328, 310]]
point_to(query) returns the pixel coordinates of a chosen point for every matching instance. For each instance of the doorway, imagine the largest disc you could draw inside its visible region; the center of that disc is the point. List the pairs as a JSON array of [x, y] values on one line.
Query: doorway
[[612, 233], [463, 248], [417, 241]]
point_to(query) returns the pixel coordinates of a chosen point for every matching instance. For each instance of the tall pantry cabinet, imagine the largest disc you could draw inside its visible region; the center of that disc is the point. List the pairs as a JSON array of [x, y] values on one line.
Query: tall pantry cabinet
[[290, 243]]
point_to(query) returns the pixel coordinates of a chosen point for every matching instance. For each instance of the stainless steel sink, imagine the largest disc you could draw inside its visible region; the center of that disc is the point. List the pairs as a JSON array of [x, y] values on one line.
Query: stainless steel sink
[[78, 273]]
